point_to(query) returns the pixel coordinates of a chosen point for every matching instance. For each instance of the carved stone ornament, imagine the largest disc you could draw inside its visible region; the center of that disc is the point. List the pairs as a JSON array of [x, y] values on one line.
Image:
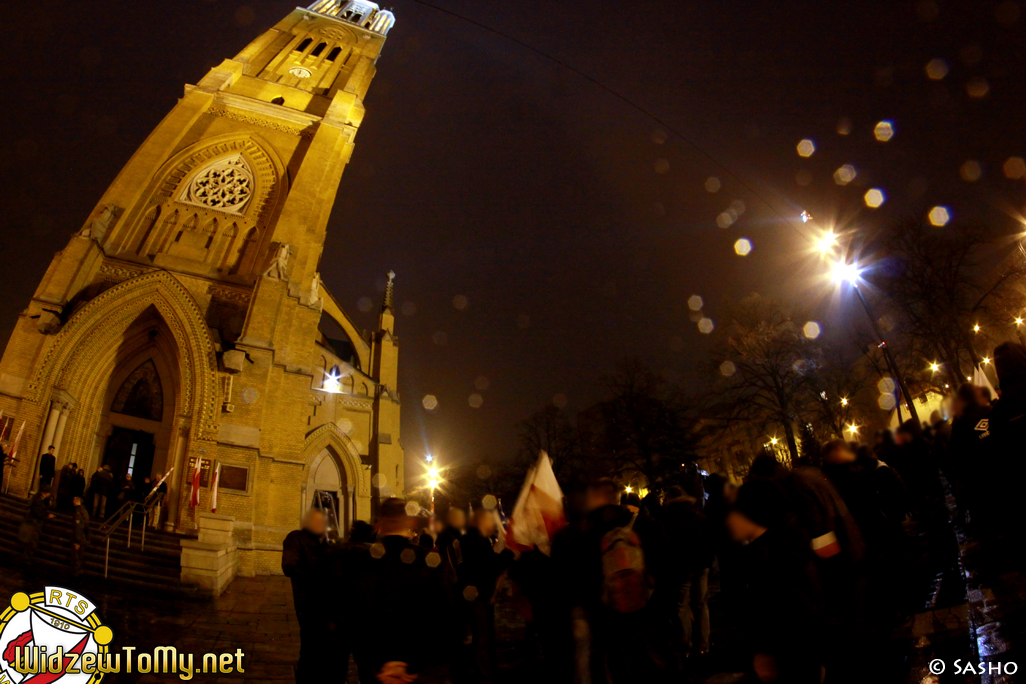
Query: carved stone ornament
[[279, 269], [226, 185], [98, 227]]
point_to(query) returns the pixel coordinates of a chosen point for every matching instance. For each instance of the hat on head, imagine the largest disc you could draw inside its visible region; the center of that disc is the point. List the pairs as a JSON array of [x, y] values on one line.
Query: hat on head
[[762, 502]]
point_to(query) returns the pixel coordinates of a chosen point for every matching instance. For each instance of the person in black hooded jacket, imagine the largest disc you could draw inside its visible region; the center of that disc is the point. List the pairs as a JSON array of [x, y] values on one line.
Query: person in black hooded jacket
[[1007, 425]]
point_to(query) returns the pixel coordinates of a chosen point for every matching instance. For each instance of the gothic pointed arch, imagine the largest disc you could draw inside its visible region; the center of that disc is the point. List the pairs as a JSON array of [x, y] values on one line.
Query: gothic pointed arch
[[73, 355], [329, 436]]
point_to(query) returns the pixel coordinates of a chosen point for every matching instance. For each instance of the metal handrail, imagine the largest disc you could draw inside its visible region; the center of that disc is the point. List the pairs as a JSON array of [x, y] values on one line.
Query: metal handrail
[[128, 511]]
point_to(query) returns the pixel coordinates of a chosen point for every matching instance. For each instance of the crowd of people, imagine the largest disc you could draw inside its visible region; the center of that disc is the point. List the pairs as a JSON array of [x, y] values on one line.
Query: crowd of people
[[814, 563]]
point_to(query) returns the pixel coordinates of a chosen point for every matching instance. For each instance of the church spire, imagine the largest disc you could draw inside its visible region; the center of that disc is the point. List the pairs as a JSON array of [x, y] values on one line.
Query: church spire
[[389, 303]]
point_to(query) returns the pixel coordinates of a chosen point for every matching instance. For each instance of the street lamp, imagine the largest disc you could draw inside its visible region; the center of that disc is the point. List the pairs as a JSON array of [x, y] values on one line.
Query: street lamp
[[842, 272]]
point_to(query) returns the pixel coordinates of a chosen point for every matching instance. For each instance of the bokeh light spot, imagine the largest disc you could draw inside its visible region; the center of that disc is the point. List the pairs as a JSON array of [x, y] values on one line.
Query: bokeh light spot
[[977, 87], [712, 184], [705, 326], [364, 304], [886, 402], [724, 219], [408, 556], [470, 593], [661, 165], [433, 559], [430, 402], [885, 386], [940, 216], [1014, 167], [844, 126], [874, 198], [482, 383], [475, 400], [971, 171], [883, 131], [489, 502], [806, 148], [743, 247], [727, 368], [695, 302], [483, 473], [844, 175], [460, 302], [812, 330], [659, 136], [936, 69], [412, 509]]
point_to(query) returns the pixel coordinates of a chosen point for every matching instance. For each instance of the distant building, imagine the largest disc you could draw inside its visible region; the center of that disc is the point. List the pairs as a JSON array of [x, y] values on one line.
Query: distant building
[[186, 318]]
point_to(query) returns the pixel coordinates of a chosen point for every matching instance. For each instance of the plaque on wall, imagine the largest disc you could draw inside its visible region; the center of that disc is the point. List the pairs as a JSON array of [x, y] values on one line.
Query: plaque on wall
[[234, 477], [204, 472]]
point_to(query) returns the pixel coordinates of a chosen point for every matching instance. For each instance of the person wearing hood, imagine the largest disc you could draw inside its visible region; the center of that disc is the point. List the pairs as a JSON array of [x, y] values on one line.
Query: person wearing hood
[[784, 614], [1007, 424]]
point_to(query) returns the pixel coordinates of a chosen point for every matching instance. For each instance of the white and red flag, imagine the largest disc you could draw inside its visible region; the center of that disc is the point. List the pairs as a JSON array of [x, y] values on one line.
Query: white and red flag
[[14, 448], [213, 488], [197, 473], [538, 513]]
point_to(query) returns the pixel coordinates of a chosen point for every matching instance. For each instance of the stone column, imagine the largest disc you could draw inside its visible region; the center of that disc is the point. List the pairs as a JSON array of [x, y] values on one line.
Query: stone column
[[58, 433], [173, 498], [51, 426]]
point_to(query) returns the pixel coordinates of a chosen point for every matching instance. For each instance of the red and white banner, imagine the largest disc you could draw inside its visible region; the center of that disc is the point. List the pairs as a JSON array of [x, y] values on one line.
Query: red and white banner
[[213, 488], [538, 514], [197, 473], [14, 448]]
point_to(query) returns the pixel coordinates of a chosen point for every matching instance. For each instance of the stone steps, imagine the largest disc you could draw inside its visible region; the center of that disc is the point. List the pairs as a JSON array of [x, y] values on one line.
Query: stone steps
[[158, 566]]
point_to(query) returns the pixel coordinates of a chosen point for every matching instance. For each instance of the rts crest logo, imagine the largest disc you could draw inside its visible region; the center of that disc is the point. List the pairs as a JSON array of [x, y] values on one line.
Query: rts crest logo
[[51, 636]]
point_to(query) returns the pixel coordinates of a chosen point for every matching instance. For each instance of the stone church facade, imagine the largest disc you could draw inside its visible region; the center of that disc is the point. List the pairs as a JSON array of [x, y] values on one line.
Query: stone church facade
[[187, 320]]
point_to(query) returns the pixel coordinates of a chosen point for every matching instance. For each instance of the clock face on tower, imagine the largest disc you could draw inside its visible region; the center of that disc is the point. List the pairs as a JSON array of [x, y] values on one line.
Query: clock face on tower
[[300, 72]]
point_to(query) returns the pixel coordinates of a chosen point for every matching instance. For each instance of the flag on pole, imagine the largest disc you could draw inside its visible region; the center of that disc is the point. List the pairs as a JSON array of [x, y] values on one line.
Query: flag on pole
[[14, 449], [980, 379], [213, 488], [157, 485], [196, 473], [538, 513]]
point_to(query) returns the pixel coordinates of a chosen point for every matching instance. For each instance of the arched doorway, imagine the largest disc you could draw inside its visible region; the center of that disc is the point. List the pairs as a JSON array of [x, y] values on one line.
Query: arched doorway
[[327, 479]]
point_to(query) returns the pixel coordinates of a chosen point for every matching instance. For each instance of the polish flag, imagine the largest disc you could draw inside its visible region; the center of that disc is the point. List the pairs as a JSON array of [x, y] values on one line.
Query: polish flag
[[14, 449], [196, 473], [538, 513], [213, 488]]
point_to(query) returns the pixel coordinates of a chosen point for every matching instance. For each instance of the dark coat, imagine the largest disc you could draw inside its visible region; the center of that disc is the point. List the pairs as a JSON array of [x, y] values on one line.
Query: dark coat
[[80, 534], [47, 466], [481, 566], [397, 588], [784, 614], [690, 537], [303, 561]]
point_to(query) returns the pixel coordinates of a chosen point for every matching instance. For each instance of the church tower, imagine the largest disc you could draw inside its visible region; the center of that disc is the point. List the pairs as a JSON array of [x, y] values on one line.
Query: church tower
[[186, 318]]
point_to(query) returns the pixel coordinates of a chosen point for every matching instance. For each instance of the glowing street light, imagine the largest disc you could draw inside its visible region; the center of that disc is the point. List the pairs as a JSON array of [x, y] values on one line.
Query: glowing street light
[[429, 458], [934, 367], [1018, 321], [986, 360], [628, 489], [843, 272], [827, 242], [853, 429], [844, 401], [976, 328], [774, 440]]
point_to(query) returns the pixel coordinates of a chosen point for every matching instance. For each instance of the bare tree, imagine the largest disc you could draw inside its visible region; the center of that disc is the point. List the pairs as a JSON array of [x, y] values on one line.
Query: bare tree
[[768, 366], [551, 430], [943, 283]]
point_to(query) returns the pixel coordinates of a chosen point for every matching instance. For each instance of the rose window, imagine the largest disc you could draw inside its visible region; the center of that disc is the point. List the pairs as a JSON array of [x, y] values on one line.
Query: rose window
[[225, 185]]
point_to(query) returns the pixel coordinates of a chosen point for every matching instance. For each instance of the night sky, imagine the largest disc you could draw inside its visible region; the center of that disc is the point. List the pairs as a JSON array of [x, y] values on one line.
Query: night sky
[[541, 227]]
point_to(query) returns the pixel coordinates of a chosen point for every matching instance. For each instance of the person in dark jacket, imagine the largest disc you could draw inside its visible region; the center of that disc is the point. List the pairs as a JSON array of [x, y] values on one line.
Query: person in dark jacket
[[631, 622], [783, 607], [79, 537], [690, 558], [32, 526], [303, 561], [398, 585], [99, 487], [47, 467], [78, 484], [1008, 427], [971, 463], [65, 485], [478, 579]]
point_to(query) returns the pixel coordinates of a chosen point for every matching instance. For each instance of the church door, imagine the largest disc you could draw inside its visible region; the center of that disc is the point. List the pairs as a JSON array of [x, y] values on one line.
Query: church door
[[129, 452]]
